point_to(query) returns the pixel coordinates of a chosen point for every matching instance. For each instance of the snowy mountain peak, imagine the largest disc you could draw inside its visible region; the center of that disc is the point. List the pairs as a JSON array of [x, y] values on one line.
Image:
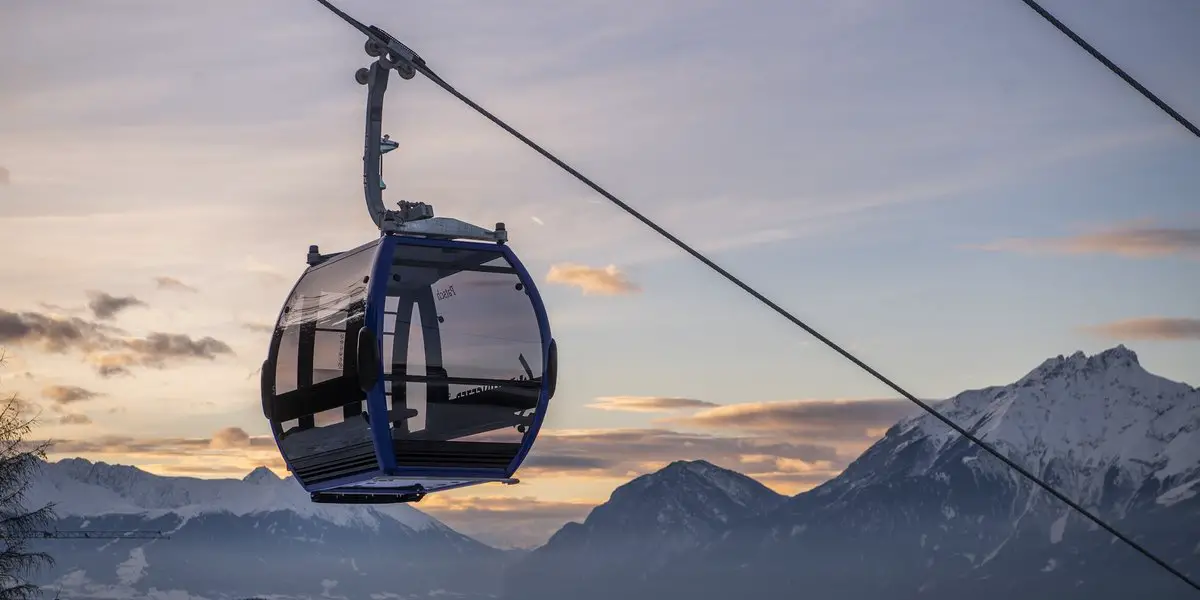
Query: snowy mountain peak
[[683, 506], [701, 468], [80, 488], [687, 498], [696, 477], [261, 475], [1118, 358], [1093, 422]]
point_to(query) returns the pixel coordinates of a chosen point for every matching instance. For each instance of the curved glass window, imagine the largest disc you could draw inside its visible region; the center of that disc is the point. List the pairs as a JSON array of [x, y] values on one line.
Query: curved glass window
[[463, 356], [317, 402]]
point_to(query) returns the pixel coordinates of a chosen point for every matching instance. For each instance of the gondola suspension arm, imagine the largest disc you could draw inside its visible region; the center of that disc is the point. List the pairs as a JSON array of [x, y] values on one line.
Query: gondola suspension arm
[[412, 218]]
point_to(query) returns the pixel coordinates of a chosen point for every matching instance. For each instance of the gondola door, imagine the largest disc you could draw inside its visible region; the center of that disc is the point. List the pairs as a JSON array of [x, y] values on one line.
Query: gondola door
[[464, 351]]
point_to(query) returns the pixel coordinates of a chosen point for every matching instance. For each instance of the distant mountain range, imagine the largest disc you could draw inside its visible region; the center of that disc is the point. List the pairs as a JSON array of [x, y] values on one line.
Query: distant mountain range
[[260, 536], [921, 514]]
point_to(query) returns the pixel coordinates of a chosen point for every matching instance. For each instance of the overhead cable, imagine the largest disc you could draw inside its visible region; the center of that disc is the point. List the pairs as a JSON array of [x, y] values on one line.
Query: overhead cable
[[401, 52]]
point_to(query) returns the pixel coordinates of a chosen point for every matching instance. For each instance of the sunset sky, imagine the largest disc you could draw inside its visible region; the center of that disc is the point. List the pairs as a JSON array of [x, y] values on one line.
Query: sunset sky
[[954, 190]]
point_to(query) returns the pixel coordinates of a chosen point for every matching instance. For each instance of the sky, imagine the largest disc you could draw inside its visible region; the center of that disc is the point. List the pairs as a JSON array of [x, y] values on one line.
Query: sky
[[953, 191]]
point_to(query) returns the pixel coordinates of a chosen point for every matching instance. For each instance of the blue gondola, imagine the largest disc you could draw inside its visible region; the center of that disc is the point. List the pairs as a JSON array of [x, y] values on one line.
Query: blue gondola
[[418, 362]]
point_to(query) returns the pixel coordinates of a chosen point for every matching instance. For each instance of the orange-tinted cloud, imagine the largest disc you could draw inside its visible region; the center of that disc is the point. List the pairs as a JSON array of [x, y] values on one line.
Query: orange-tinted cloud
[[650, 404], [62, 397], [229, 438], [104, 347], [1150, 328], [617, 454], [229, 452], [13, 403], [74, 419], [67, 394], [626, 453], [234, 469], [1134, 241], [606, 281], [818, 420]]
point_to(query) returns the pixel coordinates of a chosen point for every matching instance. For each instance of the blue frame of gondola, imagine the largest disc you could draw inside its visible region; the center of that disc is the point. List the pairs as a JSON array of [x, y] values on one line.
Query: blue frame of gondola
[[381, 434]]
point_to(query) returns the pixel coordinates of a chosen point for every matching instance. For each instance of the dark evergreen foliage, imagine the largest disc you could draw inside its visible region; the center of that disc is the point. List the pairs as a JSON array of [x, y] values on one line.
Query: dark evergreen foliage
[[19, 463]]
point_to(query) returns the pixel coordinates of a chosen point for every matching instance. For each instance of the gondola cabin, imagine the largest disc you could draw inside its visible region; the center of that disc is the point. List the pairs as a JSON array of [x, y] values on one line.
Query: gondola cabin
[[408, 365]]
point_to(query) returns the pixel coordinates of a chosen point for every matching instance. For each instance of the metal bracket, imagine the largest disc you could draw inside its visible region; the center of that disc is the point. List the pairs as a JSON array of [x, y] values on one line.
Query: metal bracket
[[315, 257], [416, 219], [412, 218], [376, 80]]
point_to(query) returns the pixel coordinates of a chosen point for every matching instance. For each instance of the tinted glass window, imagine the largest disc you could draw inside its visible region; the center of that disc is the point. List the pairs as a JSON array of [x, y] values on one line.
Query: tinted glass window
[[467, 311], [317, 330], [327, 299]]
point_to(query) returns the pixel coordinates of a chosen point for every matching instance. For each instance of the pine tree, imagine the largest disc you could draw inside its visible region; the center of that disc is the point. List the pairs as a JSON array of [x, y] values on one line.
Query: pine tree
[[19, 462]]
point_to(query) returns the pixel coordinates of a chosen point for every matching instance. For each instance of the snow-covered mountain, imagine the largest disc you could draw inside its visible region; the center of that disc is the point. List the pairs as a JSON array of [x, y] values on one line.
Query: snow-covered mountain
[[644, 524], [79, 487], [259, 536], [1100, 425], [926, 514]]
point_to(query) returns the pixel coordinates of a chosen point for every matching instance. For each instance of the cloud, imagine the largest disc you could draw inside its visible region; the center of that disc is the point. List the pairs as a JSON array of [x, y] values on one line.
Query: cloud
[[228, 452], [266, 274], [503, 521], [63, 395], [626, 453], [19, 404], [106, 306], [171, 283], [1149, 328], [56, 309], [647, 403], [822, 420], [618, 454], [109, 371], [50, 334], [74, 419], [258, 327], [5, 177], [227, 470], [229, 438], [1132, 241], [103, 346], [123, 90], [156, 350], [157, 347], [608, 281]]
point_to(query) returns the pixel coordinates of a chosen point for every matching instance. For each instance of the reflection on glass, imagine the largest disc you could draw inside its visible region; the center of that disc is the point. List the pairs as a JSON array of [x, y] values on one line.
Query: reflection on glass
[[462, 314], [316, 328]]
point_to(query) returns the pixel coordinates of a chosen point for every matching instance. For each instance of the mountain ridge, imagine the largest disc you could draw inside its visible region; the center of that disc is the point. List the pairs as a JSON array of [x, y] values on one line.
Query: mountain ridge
[[921, 514], [80, 487], [261, 533], [936, 517]]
